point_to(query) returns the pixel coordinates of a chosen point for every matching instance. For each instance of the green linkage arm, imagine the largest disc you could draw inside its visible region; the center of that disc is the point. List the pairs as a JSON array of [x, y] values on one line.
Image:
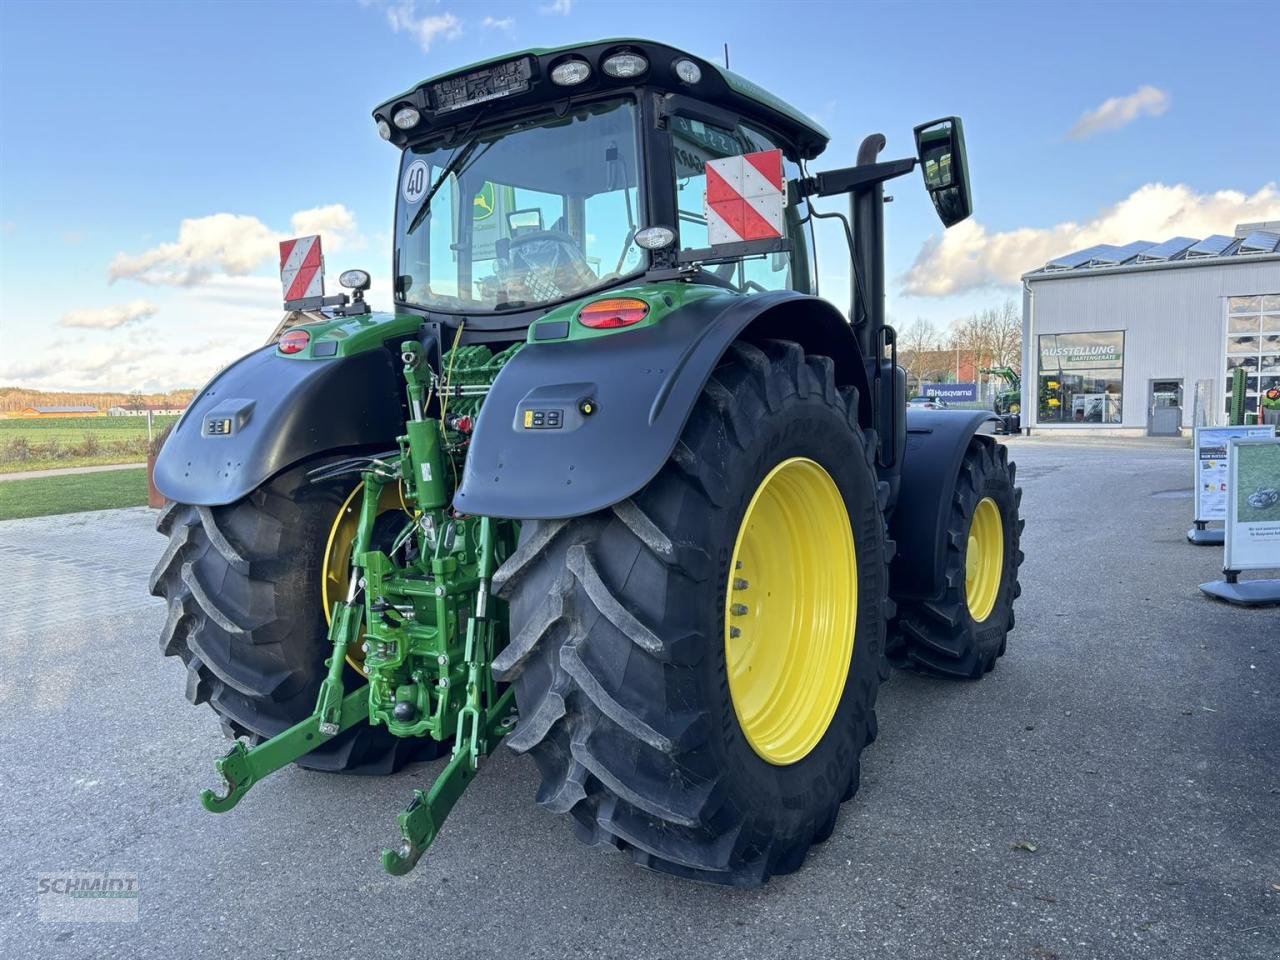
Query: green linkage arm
[[421, 821], [243, 768]]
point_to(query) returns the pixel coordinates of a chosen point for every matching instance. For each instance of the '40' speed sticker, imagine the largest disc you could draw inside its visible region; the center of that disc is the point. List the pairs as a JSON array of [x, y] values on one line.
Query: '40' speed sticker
[[414, 184]]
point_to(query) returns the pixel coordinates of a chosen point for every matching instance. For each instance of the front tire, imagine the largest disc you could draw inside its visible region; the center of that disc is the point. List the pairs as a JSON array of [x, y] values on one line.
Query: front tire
[[619, 635], [963, 632]]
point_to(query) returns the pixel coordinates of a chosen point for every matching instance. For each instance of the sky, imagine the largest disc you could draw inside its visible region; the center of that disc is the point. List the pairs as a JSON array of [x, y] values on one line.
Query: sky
[[153, 154]]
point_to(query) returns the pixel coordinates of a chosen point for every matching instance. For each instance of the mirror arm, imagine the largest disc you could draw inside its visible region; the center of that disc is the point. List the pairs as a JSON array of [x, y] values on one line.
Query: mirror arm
[[846, 179]]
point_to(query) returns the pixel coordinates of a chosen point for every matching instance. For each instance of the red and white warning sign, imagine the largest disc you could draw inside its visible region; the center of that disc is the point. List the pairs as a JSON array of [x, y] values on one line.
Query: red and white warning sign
[[745, 197], [301, 268]]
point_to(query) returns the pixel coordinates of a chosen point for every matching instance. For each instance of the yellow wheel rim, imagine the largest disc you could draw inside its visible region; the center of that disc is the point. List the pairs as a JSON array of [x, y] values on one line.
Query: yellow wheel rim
[[1015, 408], [791, 610], [336, 568], [984, 560]]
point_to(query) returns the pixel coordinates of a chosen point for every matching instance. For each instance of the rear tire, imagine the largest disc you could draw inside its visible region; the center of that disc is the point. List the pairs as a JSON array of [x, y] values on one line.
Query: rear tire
[[618, 639], [942, 637], [243, 585]]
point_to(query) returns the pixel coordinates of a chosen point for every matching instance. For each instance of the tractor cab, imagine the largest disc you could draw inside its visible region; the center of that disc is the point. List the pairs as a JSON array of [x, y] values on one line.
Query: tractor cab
[[534, 180]]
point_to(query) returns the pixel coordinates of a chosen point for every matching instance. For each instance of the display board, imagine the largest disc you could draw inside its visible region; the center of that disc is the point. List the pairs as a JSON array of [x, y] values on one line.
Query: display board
[[1253, 505], [1211, 481]]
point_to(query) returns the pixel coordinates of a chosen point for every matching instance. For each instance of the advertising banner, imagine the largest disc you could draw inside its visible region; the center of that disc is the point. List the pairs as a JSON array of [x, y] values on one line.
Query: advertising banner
[[1212, 481], [951, 392], [1253, 506]]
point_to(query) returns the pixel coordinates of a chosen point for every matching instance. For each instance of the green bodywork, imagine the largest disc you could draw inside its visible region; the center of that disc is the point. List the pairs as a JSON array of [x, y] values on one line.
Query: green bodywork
[[663, 299], [356, 334], [419, 604]]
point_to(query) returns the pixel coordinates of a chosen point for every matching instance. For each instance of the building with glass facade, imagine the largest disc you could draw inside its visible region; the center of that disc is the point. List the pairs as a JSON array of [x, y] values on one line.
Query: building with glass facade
[[1126, 339]]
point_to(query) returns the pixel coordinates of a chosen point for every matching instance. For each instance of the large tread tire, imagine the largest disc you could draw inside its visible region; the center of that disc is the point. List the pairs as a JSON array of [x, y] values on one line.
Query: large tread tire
[[617, 652], [245, 617], [939, 637]]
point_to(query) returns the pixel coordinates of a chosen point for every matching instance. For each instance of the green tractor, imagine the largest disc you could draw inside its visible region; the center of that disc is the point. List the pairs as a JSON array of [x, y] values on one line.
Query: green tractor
[[1008, 402], [610, 484]]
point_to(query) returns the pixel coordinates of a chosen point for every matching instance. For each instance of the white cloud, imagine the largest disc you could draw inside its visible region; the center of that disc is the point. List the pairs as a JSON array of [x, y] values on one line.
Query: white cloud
[[494, 23], [561, 7], [967, 257], [1117, 112], [108, 318], [404, 18], [227, 243]]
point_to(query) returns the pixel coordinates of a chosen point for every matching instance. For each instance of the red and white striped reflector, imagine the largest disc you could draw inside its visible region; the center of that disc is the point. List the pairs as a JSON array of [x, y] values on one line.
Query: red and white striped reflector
[[301, 268], [745, 197]]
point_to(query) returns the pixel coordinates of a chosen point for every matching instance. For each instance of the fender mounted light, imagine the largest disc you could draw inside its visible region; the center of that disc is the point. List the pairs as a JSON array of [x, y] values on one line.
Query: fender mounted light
[[613, 313], [294, 341]]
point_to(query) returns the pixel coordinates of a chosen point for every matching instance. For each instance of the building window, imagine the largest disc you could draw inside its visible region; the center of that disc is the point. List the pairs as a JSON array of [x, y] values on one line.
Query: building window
[[1081, 377], [1253, 342]]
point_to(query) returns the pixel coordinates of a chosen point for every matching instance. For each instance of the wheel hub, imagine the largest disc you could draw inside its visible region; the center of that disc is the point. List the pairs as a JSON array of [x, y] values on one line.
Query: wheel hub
[[791, 611], [984, 559]]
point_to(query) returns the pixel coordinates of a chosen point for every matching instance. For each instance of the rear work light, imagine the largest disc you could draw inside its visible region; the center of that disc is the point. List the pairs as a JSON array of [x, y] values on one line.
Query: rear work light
[[611, 314], [294, 341]]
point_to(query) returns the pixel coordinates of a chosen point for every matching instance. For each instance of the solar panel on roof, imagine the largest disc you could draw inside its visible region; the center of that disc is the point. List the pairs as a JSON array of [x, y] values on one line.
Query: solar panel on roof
[[1131, 250], [1260, 241], [1166, 250], [1214, 246], [1073, 260]]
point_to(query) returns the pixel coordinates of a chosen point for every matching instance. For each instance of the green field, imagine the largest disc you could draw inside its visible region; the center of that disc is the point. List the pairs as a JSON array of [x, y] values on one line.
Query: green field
[[46, 496], [74, 442]]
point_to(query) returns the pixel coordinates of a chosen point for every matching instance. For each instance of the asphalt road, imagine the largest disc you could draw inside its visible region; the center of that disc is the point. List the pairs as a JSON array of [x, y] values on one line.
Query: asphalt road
[[1131, 736]]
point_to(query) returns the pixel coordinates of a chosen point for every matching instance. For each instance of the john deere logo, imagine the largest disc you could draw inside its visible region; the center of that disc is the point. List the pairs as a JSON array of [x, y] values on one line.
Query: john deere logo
[[482, 206]]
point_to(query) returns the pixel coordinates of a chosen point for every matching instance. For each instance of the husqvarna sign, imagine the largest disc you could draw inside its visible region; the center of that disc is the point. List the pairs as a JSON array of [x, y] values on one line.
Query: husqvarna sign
[[951, 392]]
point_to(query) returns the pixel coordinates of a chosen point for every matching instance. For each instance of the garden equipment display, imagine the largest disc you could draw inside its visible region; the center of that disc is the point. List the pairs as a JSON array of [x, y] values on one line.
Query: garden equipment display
[[611, 484]]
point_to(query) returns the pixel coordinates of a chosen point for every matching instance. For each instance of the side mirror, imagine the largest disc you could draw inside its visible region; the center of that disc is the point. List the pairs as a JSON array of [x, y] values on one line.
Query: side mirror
[[940, 146]]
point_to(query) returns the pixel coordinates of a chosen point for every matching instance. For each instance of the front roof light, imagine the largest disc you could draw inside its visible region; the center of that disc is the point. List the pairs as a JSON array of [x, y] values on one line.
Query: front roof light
[[688, 71], [406, 118], [570, 73], [384, 130], [655, 238], [624, 65]]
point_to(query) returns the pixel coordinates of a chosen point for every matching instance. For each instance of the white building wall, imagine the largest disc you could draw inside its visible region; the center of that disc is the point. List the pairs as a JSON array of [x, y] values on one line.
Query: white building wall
[[1174, 319]]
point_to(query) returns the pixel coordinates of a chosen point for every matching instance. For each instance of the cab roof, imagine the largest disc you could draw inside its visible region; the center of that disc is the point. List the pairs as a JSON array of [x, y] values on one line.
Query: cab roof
[[718, 86]]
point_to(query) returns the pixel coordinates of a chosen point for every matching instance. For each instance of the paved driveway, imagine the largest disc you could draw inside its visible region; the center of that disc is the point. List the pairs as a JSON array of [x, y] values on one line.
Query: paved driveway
[[1131, 736]]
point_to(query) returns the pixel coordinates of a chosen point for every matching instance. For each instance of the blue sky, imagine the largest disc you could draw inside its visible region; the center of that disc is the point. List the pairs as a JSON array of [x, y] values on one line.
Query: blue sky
[[250, 121]]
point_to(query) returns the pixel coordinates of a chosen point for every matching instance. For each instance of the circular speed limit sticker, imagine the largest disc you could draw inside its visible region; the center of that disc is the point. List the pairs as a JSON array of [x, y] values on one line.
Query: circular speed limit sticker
[[414, 184]]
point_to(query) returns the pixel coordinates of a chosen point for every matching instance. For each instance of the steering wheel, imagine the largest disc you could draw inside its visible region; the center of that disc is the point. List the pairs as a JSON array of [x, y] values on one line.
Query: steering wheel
[[558, 237]]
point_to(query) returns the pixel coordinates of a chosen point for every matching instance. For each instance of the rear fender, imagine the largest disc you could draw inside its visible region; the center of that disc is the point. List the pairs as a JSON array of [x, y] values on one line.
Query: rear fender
[[575, 426], [267, 412], [936, 445]]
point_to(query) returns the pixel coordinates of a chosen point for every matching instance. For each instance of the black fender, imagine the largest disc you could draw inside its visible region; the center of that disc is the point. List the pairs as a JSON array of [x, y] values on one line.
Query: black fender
[[936, 444], [638, 388], [280, 411]]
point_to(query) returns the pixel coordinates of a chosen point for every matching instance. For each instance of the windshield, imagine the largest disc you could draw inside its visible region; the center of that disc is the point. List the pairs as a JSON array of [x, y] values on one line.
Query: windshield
[[521, 216]]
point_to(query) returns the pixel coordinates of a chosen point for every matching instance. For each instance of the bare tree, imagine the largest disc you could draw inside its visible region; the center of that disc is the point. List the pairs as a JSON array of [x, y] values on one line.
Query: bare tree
[[918, 345]]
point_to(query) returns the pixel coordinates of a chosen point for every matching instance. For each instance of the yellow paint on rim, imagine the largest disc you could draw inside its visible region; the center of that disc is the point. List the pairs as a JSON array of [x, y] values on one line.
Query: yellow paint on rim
[[791, 610], [335, 576], [984, 560]]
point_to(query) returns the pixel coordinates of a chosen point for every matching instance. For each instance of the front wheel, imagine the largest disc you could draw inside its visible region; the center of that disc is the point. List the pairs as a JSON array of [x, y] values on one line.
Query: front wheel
[[696, 668], [964, 631]]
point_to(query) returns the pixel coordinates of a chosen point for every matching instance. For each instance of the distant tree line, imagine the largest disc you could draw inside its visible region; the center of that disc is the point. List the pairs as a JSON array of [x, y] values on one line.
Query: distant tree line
[[988, 339]]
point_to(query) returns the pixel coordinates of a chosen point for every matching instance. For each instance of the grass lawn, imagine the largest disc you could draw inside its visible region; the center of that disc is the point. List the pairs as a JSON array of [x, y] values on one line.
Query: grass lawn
[[73, 494], [74, 442]]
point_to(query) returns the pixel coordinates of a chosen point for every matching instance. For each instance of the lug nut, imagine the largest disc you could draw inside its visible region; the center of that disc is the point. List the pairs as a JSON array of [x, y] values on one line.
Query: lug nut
[[738, 609], [734, 633], [740, 584]]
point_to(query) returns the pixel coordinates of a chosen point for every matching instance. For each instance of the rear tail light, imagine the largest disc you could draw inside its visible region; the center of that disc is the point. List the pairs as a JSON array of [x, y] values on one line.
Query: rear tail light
[[611, 314], [294, 341]]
